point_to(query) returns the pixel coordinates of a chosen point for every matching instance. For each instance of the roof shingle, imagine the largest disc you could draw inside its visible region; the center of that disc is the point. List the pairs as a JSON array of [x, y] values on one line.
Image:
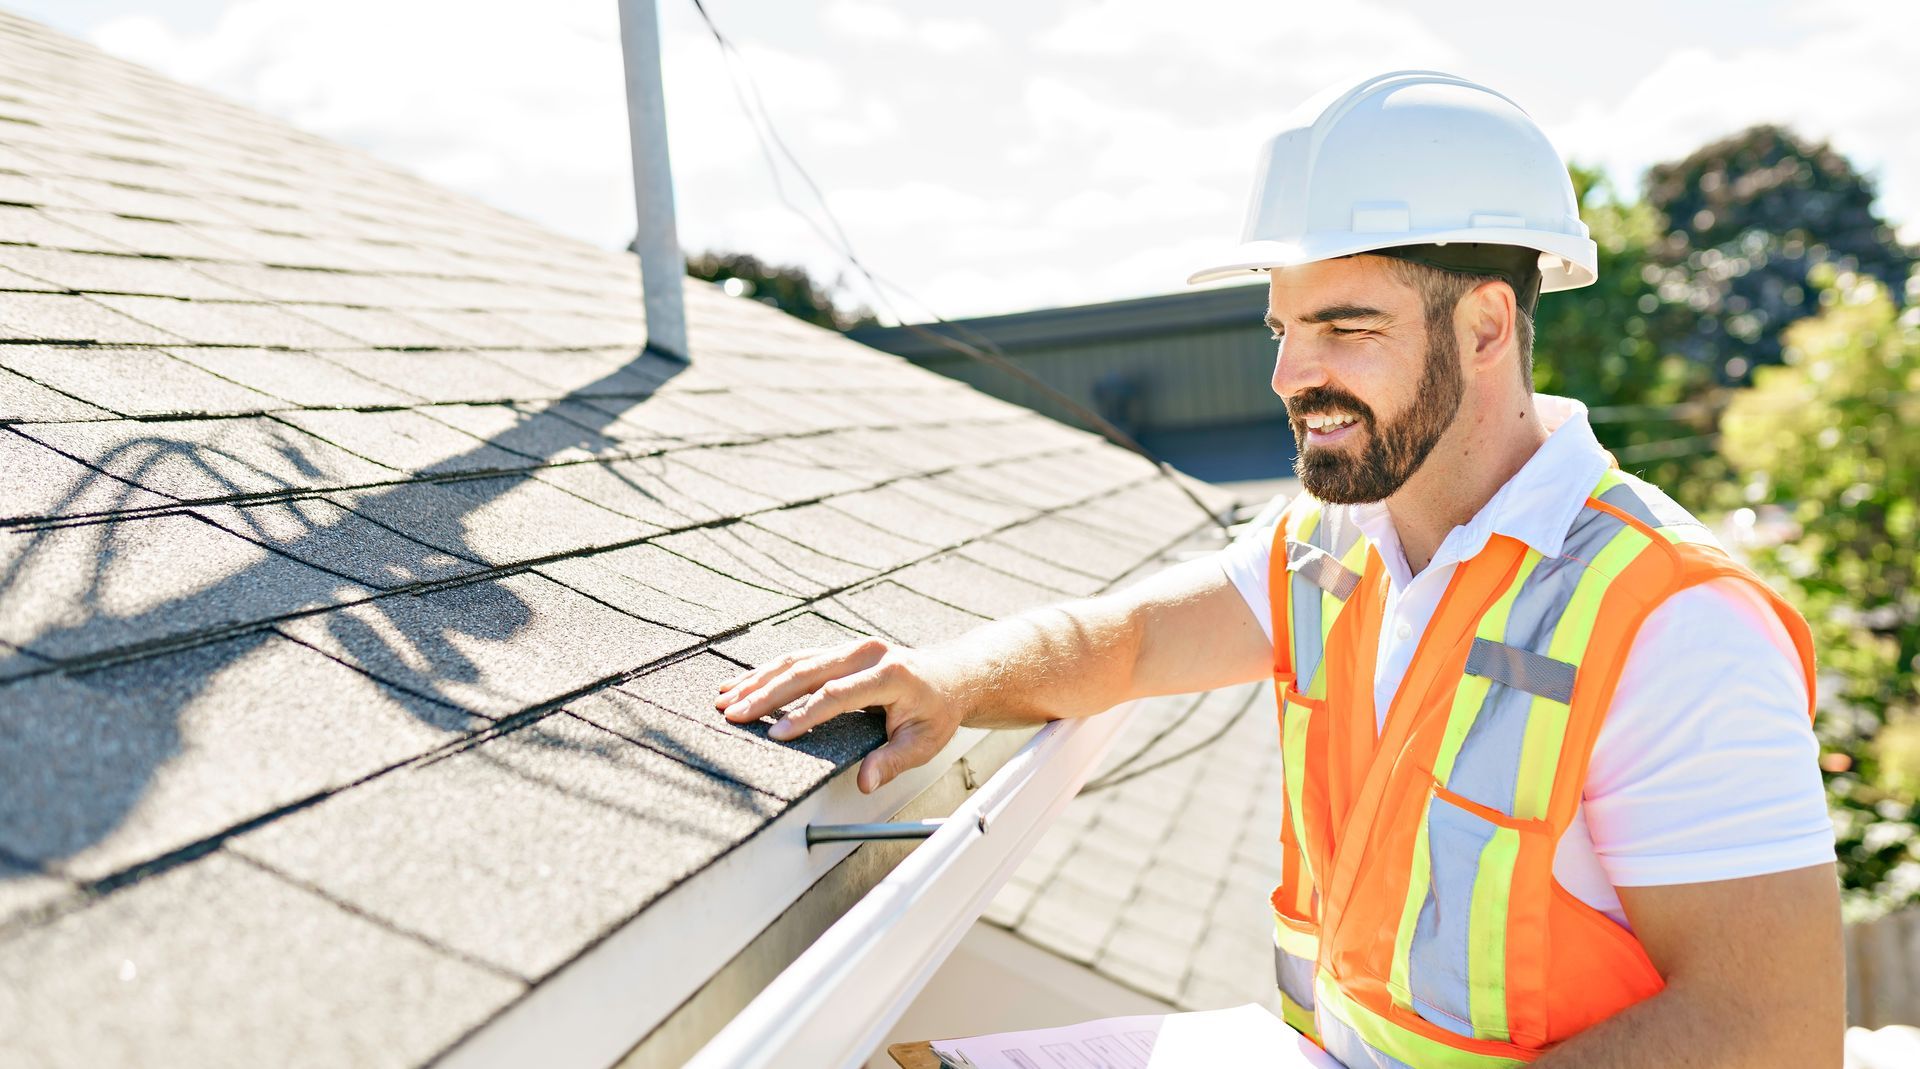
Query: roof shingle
[[291, 704]]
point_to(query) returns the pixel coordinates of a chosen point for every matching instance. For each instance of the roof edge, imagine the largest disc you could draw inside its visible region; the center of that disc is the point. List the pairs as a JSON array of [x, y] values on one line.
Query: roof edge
[[593, 1010], [1223, 307]]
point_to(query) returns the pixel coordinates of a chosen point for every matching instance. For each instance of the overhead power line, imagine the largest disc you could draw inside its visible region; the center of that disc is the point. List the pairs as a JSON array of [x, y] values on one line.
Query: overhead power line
[[773, 148]]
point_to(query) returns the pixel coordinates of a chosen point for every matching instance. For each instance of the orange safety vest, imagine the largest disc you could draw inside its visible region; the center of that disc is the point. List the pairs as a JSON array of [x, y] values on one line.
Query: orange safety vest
[[1417, 922]]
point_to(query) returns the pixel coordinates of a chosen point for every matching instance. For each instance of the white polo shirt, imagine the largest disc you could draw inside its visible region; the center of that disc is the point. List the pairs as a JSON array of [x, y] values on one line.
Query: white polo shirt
[[1705, 767]]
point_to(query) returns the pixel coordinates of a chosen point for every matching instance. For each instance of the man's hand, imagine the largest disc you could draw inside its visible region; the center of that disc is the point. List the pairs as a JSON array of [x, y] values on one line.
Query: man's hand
[[1184, 629], [918, 694]]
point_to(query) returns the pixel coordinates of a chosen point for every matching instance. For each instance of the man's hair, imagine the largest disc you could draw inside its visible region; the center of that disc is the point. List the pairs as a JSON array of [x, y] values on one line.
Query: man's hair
[[1440, 291]]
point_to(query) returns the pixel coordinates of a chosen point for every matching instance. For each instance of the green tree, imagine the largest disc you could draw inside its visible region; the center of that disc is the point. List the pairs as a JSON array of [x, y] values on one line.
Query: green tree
[[1745, 219], [1829, 435], [1611, 345], [786, 287]]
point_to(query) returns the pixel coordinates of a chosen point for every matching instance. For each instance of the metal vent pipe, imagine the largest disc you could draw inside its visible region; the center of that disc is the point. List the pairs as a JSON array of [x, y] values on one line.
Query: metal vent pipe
[[662, 265]]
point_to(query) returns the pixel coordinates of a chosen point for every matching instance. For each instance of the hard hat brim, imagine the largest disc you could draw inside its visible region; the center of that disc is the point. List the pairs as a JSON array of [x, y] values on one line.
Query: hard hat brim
[[1566, 261]]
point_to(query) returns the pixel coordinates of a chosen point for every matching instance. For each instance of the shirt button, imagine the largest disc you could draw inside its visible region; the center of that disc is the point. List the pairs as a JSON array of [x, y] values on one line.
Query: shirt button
[[1403, 630]]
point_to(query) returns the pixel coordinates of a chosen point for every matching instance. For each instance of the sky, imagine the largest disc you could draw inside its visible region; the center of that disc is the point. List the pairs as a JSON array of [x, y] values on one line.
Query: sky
[[1001, 155]]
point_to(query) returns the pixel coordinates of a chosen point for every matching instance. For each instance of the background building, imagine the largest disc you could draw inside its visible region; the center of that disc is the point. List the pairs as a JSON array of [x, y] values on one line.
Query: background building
[[1185, 373]]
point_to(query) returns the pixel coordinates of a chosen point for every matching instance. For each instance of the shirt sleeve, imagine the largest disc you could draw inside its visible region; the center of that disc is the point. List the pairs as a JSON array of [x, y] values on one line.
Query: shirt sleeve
[[1706, 767], [1245, 562]]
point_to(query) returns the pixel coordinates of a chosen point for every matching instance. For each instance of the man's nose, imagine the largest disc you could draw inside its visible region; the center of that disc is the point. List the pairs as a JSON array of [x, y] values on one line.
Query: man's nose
[[1297, 366]]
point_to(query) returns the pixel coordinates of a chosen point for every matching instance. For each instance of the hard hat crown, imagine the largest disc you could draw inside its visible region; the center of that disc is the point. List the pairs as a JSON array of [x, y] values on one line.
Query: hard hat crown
[[1406, 158]]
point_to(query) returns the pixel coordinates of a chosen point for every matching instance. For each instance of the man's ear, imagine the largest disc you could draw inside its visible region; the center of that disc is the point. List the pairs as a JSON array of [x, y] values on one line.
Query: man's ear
[[1489, 315]]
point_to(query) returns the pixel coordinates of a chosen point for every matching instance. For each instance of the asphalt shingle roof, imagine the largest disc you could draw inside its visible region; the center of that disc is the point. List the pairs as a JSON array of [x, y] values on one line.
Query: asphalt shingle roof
[[1160, 881], [351, 544]]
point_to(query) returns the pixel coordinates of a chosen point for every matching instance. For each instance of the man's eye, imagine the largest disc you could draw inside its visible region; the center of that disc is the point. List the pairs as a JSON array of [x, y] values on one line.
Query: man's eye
[[1351, 330]]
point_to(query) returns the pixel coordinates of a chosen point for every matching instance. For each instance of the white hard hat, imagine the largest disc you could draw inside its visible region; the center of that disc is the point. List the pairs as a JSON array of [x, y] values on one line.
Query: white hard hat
[[1410, 158]]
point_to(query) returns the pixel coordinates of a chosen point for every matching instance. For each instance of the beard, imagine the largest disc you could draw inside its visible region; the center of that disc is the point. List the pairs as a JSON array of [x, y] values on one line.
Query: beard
[[1393, 451]]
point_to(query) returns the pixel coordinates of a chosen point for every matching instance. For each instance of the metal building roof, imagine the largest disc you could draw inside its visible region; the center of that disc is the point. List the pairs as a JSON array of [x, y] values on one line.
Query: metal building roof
[[363, 583]]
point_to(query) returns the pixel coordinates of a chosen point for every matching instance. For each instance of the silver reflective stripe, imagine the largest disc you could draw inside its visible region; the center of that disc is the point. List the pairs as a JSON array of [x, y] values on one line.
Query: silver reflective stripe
[[1306, 631], [1338, 531], [1322, 568], [1537, 608], [1332, 537], [1522, 669], [1437, 963], [1650, 505], [1345, 1044], [1294, 976], [1489, 758]]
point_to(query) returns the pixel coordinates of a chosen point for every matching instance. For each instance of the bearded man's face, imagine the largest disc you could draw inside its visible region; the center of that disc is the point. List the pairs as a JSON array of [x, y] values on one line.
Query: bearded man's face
[[1353, 341]]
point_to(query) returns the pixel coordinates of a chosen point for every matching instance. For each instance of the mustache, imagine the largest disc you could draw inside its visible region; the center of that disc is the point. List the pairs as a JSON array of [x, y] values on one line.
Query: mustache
[[1319, 399]]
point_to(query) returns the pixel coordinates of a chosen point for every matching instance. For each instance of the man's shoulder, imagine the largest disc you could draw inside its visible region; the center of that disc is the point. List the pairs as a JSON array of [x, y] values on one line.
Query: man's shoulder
[[1654, 507]]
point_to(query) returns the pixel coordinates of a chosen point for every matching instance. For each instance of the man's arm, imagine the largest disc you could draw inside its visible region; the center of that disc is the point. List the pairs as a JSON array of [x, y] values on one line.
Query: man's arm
[[1755, 973], [1185, 629]]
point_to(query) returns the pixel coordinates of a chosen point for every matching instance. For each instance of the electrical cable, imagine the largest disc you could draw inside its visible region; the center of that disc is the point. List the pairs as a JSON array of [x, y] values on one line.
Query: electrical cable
[[1111, 780], [982, 349]]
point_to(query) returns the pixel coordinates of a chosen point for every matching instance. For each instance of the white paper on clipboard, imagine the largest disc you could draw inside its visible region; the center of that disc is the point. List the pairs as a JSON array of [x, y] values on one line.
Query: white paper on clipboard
[[1247, 1035]]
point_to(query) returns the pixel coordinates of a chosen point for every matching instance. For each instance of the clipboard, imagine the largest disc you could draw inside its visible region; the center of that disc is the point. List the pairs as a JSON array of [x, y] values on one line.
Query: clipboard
[[914, 1055]]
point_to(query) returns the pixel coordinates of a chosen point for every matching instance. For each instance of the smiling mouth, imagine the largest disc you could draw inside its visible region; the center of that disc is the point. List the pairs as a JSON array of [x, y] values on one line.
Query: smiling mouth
[[1329, 422]]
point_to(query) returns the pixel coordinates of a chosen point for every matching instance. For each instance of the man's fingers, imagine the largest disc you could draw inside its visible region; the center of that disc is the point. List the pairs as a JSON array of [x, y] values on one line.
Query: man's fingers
[[878, 685], [747, 681], [801, 677], [910, 747]]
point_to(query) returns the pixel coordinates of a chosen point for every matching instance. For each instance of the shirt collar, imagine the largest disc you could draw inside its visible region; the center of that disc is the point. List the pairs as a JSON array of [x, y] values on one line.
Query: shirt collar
[[1536, 506]]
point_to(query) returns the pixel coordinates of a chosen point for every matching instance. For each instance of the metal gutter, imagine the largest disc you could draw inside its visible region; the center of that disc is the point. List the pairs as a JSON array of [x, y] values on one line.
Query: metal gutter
[[835, 1003]]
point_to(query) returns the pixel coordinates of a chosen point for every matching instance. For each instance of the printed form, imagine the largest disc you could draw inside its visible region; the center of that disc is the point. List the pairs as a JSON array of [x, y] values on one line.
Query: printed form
[[1247, 1035]]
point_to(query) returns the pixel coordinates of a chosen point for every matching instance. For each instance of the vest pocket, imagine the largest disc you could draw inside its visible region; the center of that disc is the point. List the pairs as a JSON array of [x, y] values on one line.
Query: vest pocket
[[1458, 932]]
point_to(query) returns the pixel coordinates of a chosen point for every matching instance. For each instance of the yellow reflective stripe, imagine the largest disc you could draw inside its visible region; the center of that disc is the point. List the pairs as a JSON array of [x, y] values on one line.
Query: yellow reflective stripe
[[1467, 700], [1299, 944], [1547, 719], [1317, 689], [1472, 691], [1539, 757], [1396, 1042], [1293, 769], [1330, 607], [1308, 522], [1494, 624], [1356, 555], [1399, 978], [1296, 1018], [1576, 620], [1609, 479], [1487, 936]]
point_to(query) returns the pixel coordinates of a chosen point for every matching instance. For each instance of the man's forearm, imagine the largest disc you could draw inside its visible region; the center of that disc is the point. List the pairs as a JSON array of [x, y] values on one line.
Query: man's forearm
[[1676, 1029], [1068, 660], [1184, 629]]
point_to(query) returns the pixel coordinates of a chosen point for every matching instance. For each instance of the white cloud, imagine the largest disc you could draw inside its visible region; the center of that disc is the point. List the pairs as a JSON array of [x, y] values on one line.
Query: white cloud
[[869, 20], [1847, 78], [1304, 45], [470, 101], [522, 106]]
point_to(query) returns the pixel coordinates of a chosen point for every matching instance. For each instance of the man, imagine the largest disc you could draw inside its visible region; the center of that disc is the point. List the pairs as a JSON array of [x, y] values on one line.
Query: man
[[1549, 774]]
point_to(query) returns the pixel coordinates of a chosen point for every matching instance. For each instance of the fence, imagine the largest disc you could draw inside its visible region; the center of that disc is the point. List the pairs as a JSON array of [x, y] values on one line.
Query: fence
[[1883, 970]]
